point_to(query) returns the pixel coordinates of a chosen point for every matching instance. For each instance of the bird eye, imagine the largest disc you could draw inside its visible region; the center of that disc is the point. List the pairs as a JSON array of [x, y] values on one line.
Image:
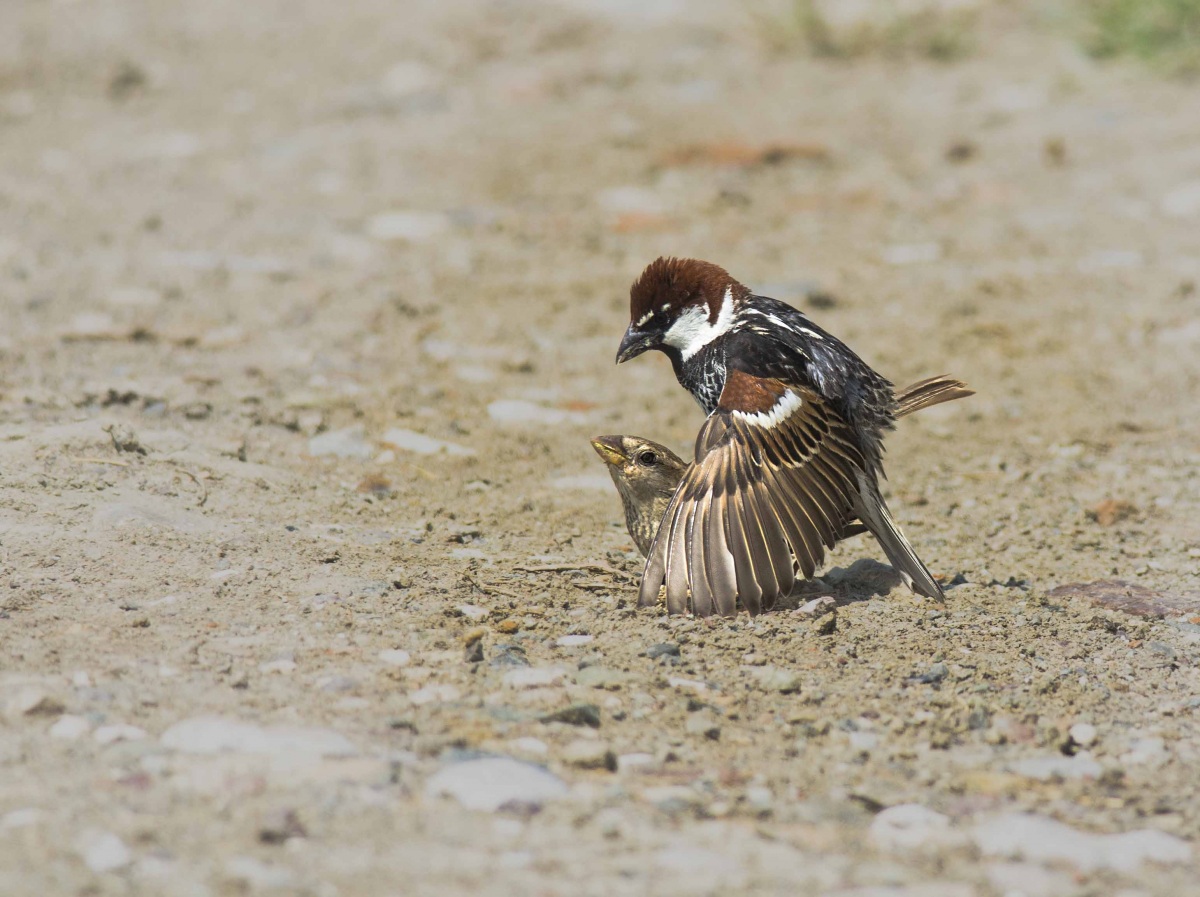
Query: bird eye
[[647, 459]]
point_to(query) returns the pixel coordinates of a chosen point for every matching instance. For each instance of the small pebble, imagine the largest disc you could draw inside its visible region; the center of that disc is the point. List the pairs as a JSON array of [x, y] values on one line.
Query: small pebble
[[1182, 201], [421, 444], [601, 677], [216, 734], [279, 826], [21, 818], [103, 852], [587, 754], [347, 443], [519, 411], [1083, 734], [535, 677], [907, 827], [776, 679], [530, 746], [911, 253], [408, 226], [1036, 838], [635, 761], [118, 732], [31, 701], [575, 715], [69, 727], [395, 657], [760, 799], [936, 673], [496, 783], [703, 723], [574, 641], [664, 649]]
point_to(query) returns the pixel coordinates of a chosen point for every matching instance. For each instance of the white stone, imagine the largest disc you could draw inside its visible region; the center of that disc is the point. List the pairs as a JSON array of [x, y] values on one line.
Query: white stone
[[694, 685], [492, 783], [474, 373], [134, 297], [30, 700], [408, 226], [395, 657], [1036, 838], [1108, 259], [634, 761], [535, 677], [1083, 734], [911, 253], [1145, 752], [118, 732], [907, 827], [519, 411], [530, 746], [409, 77], [590, 482], [1050, 766], [776, 679], [345, 443], [630, 200], [22, 818], [69, 727], [258, 875], [214, 734], [760, 798], [283, 665], [473, 612], [863, 742], [168, 145], [1183, 201], [574, 641], [432, 694], [103, 851], [818, 606], [411, 441]]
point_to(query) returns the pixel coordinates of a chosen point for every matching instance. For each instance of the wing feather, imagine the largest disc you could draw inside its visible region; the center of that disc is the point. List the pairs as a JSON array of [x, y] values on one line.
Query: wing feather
[[776, 480], [697, 543]]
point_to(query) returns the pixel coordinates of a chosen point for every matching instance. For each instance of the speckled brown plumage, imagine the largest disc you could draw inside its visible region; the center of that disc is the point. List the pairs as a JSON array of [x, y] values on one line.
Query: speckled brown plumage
[[646, 485]]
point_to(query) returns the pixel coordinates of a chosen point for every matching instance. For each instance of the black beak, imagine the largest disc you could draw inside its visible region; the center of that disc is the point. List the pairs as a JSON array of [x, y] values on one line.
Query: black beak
[[634, 343]]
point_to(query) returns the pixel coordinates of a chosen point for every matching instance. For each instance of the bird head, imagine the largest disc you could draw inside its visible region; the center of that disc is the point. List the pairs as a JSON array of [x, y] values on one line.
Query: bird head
[[679, 306], [641, 469]]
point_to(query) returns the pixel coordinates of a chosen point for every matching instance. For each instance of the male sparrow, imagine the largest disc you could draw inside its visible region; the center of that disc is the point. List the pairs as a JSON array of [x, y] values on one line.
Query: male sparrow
[[646, 474], [791, 451]]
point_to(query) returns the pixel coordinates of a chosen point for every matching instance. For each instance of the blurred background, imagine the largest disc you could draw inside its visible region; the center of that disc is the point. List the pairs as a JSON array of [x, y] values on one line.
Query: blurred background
[[308, 311]]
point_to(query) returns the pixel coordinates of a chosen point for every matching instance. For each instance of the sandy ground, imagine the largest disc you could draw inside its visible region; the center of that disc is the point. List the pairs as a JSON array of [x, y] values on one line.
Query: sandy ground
[[254, 632]]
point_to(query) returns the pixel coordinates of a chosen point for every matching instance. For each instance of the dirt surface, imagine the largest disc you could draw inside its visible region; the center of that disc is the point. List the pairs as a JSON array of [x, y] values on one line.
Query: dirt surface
[[254, 631]]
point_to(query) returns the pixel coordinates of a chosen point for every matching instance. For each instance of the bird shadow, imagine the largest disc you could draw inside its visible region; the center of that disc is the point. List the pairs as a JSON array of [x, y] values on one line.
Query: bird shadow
[[861, 581]]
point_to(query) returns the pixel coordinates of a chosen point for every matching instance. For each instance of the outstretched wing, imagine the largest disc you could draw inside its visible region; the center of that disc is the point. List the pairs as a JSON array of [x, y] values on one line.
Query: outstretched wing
[[776, 476]]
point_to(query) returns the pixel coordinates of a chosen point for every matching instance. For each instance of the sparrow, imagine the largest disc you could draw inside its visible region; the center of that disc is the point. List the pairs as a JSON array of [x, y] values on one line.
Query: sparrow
[[647, 474], [790, 453]]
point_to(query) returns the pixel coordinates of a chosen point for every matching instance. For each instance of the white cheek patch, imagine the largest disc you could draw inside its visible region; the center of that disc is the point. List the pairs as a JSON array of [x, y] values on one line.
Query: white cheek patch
[[691, 331], [787, 405]]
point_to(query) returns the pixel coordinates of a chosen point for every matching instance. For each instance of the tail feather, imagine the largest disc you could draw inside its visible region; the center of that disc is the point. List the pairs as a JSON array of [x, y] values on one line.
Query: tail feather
[[929, 392], [873, 511]]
